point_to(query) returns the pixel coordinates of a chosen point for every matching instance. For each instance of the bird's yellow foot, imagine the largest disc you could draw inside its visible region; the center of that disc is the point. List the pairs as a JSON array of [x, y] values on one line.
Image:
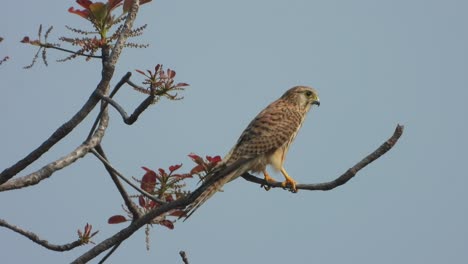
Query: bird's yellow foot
[[288, 182], [268, 179], [291, 184]]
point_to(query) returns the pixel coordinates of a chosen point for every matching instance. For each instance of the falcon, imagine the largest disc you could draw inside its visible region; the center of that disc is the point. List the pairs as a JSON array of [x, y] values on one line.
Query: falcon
[[265, 141]]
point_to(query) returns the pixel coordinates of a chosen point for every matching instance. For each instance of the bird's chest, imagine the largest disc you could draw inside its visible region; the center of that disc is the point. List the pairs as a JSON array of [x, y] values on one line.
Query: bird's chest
[[276, 159]]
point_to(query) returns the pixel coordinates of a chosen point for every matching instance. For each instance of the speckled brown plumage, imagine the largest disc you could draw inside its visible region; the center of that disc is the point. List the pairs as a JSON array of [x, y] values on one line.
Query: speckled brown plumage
[[265, 141]]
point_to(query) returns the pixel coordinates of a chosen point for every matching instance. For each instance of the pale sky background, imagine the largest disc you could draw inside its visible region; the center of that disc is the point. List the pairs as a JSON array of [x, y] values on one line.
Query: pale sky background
[[374, 63]]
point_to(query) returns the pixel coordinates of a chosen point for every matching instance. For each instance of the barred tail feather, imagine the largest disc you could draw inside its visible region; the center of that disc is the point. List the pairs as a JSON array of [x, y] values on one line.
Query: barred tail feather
[[210, 191], [215, 183]]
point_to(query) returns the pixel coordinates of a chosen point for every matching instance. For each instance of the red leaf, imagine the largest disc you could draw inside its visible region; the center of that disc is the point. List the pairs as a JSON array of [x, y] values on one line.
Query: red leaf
[[162, 172], [197, 169], [81, 13], [167, 224], [174, 167], [156, 69], [171, 73], [87, 229], [128, 3], [182, 84], [116, 219], [84, 3], [112, 4], [141, 201], [214, 159], [141, 72], [178, 213], [197, 159], [25, 40], [148, 182]]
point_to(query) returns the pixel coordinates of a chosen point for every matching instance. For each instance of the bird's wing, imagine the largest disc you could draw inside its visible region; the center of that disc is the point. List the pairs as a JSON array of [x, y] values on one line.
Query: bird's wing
[[268, 131]]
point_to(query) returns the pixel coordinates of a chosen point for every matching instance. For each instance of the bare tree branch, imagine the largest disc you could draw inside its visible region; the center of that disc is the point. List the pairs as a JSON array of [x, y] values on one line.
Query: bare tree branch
[[67, 127], [36, 239], [108, 63], [183, 255], [345, 177], [129, 120], [46, 171], [59, 134], [114, 91]]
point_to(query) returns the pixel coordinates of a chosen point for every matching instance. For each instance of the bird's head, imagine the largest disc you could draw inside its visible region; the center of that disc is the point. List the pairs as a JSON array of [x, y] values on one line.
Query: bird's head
[[302, 96]]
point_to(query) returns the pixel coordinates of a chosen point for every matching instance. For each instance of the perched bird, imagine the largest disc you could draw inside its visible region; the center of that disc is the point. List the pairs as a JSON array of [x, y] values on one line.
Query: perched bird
[[265, 141]]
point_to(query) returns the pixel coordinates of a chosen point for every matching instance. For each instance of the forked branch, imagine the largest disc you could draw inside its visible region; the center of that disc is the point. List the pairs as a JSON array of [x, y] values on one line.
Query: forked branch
[[134, 186], [129, 120], [109, 58]]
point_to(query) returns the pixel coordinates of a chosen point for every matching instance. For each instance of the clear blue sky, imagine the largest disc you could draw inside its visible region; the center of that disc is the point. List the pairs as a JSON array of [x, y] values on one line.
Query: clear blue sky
[[374, 63]]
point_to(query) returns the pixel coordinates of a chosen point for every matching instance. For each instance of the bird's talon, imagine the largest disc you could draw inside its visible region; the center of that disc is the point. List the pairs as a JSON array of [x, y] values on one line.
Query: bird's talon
[[269, 180], [290, 185]]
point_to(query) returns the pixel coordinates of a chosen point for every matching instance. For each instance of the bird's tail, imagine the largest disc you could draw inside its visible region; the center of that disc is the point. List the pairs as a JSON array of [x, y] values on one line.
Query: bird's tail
[[215, 183]]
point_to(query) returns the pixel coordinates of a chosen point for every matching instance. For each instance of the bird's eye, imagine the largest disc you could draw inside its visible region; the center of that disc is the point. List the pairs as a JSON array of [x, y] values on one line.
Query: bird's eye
[[308, 93]]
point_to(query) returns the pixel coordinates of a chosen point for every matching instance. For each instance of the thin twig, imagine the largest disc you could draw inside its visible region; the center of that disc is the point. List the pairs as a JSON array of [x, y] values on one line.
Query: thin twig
[[142, 107], [129, 120], [345, 177], [128, 202], [137, 87], [50, 46], [134, 186], [36, 239], [116, 106]]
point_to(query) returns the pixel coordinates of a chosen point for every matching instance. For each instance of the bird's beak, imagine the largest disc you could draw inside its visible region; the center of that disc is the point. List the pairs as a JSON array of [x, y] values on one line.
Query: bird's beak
[[316, 102]]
